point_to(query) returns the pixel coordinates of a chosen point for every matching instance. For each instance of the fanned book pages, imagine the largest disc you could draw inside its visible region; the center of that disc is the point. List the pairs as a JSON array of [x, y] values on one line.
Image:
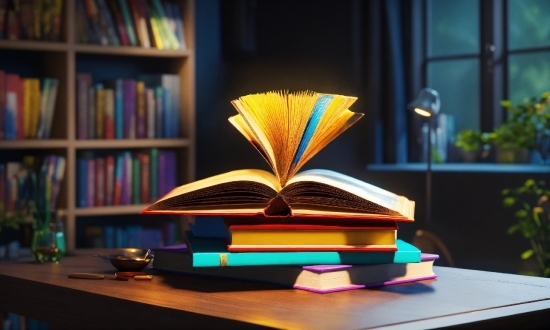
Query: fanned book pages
[[288, 129]]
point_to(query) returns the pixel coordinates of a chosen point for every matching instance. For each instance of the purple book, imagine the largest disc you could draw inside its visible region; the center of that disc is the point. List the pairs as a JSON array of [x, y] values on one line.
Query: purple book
[[130, 110], [317, 278]]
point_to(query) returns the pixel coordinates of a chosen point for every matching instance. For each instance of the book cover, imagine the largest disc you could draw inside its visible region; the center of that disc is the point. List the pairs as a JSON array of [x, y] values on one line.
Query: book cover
[[288, 129], [212, 252], [312, 237], [100, 181], [315, 278], [108, 21], [138, 10], [82, 191], [12, 106], [154, 27], [35, 104], [141, 118], [150, 106]]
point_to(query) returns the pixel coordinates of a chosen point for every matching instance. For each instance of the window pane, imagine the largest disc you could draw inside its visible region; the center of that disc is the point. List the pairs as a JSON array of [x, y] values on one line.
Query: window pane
[[528, 75], [529, 23], [453, 27], [457, 82]]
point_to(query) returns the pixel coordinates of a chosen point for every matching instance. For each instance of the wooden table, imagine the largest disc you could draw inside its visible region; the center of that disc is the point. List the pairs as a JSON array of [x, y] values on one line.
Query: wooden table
[[459, 297]]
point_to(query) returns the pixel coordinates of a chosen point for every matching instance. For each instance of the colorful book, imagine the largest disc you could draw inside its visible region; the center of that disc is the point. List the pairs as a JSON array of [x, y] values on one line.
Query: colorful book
[[109, 114], [100, 181], [118, 86], [141, 111], [13, 104], [212, 252], [119, 22], [109, 180], [129, 95], [138, 10], [128, 22], [100, 111], [315, 278], [178, 18], [107, 20], [313, 237]]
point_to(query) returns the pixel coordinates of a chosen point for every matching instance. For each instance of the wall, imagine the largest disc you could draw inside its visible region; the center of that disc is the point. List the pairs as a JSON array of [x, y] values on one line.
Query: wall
[[313, 45]]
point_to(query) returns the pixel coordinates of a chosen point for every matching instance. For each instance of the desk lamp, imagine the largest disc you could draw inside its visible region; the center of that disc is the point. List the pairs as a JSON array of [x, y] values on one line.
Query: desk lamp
[[427, 105]]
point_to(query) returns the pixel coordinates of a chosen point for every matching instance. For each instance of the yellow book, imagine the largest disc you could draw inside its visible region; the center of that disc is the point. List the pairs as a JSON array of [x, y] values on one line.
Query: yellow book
[[288, 129], [156, 32], [27, 107], [310, 236], [35, 100]]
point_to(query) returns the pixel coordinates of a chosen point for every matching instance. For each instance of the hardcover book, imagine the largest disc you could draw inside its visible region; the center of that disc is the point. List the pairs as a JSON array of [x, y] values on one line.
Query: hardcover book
[[379, 236], [315, 278], [213, 252], [288, 129]]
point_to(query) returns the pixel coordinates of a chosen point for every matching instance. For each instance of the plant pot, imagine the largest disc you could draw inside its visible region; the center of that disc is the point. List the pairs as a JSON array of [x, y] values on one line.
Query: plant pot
[[512, 156]]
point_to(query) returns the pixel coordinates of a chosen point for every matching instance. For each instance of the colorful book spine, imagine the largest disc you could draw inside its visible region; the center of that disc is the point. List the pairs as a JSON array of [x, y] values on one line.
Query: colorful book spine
[[12, 106], [128, 22], [108, 21], [117, 191], [119, 22], [2, 101], [212, 252], [141, 117], [100, 181], [154, 173], [129, 109], [100, 111], [91, 181], [136, 180], [150, 112], [109, 114], [109, 180]]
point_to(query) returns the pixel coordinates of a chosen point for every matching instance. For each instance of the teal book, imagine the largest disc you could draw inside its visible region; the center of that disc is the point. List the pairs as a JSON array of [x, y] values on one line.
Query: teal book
[[212, 252]]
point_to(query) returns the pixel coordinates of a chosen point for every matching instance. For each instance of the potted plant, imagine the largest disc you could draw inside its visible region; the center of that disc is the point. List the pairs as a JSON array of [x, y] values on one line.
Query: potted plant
[[532, 211], [471, 142], [526, 129]]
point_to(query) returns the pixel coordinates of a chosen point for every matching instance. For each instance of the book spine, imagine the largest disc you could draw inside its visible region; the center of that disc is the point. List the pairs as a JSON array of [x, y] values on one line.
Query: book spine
[[159, 111], [117, 192], [109, 114], [108, 22], [136, 180], [109, 179], [128, 22], [100, 111], [145, 196], [26, 17], [119, 22], [92, 13], [3, 11], [100, 181], [91, 113], [55, 30], [138, 9], [178, 17], [91, 184], [35, 107], [21, 115], [2, 103], [150, 102], [12, 106], [129, 109], [50, 107], [154, 173], [141, 111], [82, 197], [171, 39], [119, 109]]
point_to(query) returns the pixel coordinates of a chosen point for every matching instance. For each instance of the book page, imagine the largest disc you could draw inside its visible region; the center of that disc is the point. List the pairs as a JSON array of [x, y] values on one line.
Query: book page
[[260, 176], [357, 187]]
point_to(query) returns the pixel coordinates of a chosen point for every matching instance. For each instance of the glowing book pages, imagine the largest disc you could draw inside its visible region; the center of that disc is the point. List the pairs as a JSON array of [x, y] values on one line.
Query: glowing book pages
[[288, 129]]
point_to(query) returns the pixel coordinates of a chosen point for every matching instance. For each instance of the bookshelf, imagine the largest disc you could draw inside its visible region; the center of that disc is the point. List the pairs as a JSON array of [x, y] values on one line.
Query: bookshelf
[[63, 60]]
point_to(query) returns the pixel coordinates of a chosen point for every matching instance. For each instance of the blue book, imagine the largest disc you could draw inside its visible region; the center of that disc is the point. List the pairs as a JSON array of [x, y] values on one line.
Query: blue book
[[212, 252], [118, 86]]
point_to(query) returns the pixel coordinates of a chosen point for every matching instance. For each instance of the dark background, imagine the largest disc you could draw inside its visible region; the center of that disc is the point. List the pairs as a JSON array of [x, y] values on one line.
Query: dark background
[[246, 47]]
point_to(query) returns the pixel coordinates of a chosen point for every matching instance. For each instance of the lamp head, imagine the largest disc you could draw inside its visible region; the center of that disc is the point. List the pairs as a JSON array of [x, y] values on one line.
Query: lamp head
[[427, 103]]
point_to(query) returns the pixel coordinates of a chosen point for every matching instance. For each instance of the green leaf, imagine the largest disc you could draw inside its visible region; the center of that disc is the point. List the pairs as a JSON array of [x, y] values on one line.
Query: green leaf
[[513, 229], [527, 254], [521, 213], [529, 183], [509, 201], [506, 103]]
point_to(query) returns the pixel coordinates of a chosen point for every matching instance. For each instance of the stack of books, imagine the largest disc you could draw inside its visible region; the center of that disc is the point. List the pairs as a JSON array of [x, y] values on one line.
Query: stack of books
[[342, 226]]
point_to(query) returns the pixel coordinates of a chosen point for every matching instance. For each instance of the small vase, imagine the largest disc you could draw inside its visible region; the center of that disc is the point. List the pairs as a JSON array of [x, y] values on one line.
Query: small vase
[[48, 242]]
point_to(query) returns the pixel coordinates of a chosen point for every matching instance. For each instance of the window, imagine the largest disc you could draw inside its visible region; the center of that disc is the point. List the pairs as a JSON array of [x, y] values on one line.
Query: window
[[476, 53]]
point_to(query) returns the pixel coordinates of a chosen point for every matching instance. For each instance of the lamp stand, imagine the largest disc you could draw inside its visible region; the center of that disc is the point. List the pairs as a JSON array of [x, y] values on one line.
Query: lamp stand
[[429, 173]]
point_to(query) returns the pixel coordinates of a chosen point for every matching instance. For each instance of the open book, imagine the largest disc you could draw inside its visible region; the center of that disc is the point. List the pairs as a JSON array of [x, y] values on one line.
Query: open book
[[288, 129]]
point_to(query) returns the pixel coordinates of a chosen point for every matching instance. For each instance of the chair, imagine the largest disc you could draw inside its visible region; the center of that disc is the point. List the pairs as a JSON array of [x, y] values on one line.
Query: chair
[[428, 242]]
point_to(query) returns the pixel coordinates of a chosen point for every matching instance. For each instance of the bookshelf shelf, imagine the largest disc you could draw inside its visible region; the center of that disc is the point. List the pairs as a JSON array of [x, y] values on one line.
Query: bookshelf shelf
[[129, 51], [109, 210], [137, 143], [64, 60]]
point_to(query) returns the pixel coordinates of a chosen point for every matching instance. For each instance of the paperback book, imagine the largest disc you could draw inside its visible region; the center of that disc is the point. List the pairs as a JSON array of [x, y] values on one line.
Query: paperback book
[[315, 278]]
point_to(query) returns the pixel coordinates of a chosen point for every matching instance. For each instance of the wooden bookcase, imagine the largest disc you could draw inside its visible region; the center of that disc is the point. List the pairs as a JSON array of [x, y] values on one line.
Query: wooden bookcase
[[62, 60]]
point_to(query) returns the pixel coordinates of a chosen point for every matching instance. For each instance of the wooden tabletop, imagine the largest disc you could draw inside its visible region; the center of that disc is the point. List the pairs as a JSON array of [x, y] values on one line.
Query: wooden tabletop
[[45, 292]]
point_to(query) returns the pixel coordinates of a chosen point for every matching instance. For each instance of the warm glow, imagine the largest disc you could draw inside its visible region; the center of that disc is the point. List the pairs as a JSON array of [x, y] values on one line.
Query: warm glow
[[422, 112]]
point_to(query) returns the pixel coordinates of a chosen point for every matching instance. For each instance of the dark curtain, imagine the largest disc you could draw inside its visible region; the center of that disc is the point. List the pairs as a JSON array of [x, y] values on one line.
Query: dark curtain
[[386, 79]]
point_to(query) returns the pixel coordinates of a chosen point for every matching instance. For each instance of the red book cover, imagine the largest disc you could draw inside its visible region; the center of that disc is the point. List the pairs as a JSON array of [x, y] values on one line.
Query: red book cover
[[14, 109], [109, 179], [138, 10], [380, 225], [117, 189], [100, 182]]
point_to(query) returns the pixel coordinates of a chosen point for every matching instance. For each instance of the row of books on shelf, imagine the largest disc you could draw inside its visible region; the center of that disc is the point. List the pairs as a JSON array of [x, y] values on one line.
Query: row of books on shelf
[[145, 23], [132, 235], [207, 252], [27, 106], [147, 107], [31, 19], [31, 184], [125, 178]]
